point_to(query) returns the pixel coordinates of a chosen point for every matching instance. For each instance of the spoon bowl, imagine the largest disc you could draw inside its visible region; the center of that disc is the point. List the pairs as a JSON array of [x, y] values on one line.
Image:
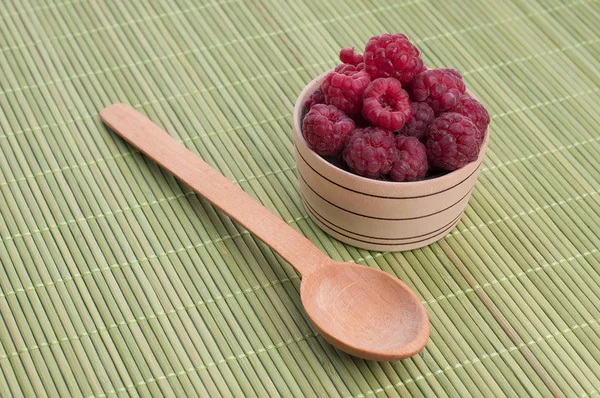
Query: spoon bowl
[[365, 312], [358, 309]]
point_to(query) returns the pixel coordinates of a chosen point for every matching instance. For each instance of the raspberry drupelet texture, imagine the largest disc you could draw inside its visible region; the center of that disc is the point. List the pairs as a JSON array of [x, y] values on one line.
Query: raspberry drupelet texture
[[439, 88], [386, 104], [411, 164], [326, 129], [350, 57], [453, 140], [315, 98], [344, 87], [458, 79], [471, 108], [417, 126], [371, 152], [392, 56]]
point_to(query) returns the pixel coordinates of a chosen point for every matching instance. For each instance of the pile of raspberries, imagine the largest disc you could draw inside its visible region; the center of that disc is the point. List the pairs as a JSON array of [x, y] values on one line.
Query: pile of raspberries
[[384, 115]]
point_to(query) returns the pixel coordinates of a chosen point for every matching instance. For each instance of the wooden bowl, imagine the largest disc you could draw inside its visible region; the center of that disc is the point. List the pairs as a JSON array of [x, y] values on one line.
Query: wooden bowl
[[379, 215]]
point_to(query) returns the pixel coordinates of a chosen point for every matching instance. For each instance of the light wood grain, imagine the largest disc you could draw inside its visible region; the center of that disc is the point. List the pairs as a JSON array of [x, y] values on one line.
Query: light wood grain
[[151, 140], [360, 310]]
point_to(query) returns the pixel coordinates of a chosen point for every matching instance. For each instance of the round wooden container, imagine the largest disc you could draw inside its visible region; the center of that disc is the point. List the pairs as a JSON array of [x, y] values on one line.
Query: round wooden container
[[379, 215]]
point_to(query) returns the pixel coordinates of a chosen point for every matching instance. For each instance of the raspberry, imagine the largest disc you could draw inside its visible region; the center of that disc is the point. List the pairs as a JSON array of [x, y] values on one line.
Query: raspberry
[[370, 152], [452, 72], [349, 56], [411, 164], [417, 126], [344, 87], [457, 78], [386, 104], [440, 88], [392, 56], [326, 129], [453, 140], [315, 98], [471, 108]]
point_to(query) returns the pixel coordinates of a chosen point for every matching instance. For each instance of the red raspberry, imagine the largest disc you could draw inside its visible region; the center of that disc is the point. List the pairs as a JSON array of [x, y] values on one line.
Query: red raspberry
[[471, 108], [349, 56], [386, 104], [344, 87], [370, 152], [411, 164], [315, 98], [326, 129], [417, 126], [458, 79], [453, 140], [392, 56], [440, 88]]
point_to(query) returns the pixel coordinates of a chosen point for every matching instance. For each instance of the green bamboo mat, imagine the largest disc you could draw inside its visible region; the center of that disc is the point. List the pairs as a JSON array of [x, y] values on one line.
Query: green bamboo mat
[[116, 280]]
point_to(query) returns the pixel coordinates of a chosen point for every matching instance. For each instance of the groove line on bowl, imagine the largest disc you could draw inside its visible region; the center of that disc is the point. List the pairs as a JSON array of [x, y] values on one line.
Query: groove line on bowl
[[384, 218], [333, 225], [381, 196], [384, 244]]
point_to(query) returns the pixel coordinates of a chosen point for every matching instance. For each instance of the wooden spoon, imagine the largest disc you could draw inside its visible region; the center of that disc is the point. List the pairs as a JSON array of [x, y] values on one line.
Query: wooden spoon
[[360, 310]]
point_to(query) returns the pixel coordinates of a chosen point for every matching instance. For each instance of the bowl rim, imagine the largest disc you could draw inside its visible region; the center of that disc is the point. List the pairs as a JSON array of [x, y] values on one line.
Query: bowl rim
[[446, 178]]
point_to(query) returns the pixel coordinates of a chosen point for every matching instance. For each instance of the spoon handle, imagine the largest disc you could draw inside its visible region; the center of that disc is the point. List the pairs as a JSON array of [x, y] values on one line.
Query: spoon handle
[[151, 140]]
